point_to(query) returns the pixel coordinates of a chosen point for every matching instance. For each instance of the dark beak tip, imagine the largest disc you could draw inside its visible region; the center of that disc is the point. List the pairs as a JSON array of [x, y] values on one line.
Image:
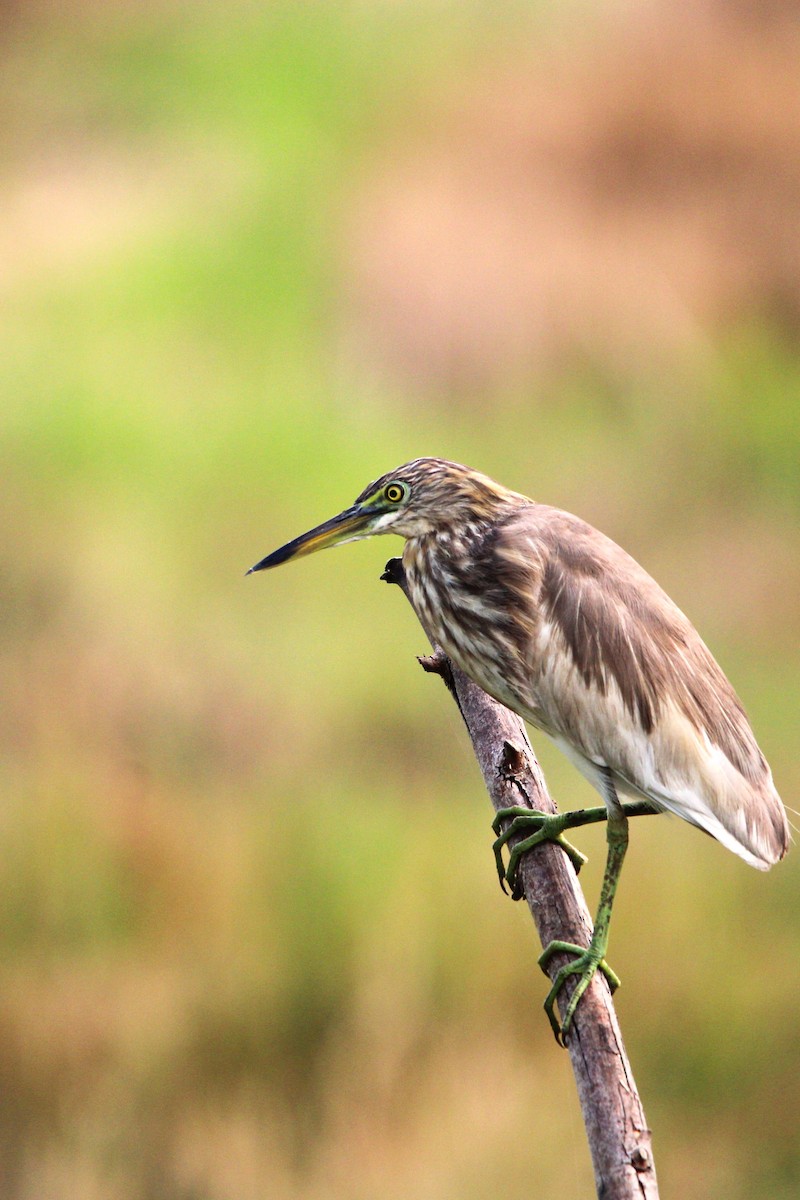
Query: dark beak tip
[[308, 542], [275, 559], [259, 566]]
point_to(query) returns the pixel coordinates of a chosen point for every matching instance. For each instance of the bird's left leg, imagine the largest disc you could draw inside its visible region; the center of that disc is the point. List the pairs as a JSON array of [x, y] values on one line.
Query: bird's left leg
[[588, 960]]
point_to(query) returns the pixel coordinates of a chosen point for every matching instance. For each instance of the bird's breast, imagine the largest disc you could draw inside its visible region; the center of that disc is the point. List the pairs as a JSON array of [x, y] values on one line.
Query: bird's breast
[[463, 612]]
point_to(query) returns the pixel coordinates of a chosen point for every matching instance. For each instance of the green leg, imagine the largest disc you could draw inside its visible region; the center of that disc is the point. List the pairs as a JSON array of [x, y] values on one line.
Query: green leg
[[588, 960]]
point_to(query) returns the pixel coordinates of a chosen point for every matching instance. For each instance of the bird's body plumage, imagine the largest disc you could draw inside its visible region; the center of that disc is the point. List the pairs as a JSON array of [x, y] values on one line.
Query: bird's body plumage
[[606, 665]]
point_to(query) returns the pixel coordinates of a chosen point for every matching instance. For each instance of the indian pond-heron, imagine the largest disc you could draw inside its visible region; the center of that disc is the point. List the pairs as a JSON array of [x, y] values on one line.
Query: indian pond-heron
[[556, 621]]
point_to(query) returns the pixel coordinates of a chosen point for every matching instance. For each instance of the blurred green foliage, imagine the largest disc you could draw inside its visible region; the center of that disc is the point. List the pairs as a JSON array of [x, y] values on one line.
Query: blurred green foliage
[[251, 941]]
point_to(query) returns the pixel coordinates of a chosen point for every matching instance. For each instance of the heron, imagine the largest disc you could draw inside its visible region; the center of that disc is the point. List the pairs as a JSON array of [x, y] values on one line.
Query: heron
[[557, 622]]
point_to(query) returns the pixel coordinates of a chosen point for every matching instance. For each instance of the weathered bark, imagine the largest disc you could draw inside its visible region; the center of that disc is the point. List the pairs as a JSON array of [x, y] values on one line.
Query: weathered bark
[[619, 1140]]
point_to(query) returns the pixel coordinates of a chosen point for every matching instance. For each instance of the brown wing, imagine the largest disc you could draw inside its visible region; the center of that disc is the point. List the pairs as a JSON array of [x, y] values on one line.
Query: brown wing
[[621, 675], [619, 624]]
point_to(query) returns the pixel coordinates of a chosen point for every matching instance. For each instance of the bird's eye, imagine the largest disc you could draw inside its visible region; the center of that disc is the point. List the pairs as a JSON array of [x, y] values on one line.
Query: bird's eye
[[394, 493]]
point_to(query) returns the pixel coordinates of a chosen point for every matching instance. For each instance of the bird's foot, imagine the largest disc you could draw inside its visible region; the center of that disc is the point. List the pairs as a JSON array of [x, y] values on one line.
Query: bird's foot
[[586, 963], [547, 827]]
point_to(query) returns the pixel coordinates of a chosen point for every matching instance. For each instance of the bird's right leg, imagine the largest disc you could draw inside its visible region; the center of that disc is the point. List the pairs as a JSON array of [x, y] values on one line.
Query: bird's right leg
[[546, 827], [592, 958]]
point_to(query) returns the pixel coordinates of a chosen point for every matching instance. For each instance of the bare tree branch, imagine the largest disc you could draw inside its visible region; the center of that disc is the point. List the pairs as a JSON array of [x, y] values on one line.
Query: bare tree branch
[[619, 1140]]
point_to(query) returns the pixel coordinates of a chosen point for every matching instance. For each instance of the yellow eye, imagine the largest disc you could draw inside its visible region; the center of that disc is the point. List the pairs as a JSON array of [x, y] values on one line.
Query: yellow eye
[[394, 493]]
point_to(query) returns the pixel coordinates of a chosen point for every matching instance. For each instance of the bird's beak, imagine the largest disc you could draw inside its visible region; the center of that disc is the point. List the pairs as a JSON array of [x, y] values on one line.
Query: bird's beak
[[350, 525]]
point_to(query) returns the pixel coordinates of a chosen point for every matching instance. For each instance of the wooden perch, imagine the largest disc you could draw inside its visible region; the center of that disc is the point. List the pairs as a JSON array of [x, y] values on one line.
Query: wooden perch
[[619, 1140]]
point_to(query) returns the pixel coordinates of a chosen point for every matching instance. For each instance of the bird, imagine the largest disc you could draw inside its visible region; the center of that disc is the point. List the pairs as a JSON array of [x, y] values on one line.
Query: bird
[[557, 622]]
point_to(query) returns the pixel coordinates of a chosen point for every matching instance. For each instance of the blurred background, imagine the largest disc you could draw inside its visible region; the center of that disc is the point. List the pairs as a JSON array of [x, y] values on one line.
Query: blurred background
[[253, 255]]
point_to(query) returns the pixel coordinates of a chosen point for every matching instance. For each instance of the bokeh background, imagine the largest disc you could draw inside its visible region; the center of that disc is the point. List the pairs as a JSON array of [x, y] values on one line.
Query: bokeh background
[[252, 255]]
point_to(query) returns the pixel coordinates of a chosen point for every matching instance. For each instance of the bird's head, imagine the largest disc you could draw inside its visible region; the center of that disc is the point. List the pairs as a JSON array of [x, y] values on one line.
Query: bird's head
[[426, 496]]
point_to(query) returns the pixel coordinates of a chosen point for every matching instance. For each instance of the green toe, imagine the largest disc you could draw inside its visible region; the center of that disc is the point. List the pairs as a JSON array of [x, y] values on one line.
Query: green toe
[[587, 961], [547, 827]]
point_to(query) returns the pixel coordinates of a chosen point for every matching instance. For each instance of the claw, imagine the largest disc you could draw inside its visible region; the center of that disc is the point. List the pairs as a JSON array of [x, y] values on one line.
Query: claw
[[587, 961], [502, 815], [548, 827]]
